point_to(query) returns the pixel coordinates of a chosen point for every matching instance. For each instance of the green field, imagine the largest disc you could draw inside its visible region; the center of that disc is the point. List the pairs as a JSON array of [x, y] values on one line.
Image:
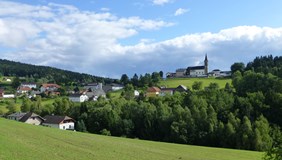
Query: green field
[[188, 82], [24, 141]]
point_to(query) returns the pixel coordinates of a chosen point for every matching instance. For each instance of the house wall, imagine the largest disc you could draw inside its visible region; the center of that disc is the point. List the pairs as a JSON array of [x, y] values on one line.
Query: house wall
[[179, 74], [8, 96], [197, 72], [34, 121], [51, 125], [152, 94], [65, 126], [116, 88]]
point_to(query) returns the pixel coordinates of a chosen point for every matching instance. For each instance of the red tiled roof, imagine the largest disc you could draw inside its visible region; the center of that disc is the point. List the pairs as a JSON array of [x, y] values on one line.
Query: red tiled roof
[[50, 85], [24, 88], [153, 89]]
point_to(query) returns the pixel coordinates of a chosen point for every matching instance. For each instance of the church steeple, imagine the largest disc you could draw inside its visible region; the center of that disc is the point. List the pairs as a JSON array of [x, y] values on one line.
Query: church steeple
[[206, 64]]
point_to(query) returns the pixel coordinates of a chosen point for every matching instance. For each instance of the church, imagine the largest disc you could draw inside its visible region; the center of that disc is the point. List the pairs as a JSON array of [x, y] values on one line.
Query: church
[[191, 71], [198, 71]]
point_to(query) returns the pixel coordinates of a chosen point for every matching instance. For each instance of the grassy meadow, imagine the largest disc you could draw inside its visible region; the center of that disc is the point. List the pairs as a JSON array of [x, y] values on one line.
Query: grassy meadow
[[188, 82], [24, 141]]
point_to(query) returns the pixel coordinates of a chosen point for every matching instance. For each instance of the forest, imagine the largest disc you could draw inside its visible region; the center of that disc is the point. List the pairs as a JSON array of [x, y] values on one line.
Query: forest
[[46, 74], [244, 115]]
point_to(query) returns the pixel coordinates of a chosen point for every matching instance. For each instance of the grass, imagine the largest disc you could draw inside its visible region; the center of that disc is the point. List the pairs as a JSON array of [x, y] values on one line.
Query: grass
[[24, 141], [174, 82]]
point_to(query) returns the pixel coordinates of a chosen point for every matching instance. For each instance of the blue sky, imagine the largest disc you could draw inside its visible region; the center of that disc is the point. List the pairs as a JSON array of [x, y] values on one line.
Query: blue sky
[[107, 38]]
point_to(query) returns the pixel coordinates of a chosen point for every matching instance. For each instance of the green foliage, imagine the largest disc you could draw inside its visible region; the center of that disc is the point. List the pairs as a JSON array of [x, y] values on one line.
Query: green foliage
[[238, 66], [197, 85], [46, 74]]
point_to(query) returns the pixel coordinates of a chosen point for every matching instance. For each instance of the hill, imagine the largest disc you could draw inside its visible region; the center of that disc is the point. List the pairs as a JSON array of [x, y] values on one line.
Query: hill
[[174, 82], [23, 141], [11, 68]]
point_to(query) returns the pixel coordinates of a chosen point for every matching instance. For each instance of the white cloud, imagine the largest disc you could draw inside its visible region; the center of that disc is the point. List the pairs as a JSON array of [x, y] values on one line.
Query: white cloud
[[105, 9], [180, 11], [90, 42], [161, 2]]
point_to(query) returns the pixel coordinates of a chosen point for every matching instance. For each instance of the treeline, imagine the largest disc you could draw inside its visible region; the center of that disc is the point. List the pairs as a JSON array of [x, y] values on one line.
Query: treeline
[[147, 80], [49, 74]]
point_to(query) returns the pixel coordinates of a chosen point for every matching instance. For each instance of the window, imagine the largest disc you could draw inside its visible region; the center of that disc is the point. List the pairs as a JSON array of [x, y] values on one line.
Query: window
[[63, 127], [70, 126]]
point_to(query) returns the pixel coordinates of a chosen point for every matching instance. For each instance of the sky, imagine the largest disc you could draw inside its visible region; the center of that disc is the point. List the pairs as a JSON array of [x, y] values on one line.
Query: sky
[[109, 38]]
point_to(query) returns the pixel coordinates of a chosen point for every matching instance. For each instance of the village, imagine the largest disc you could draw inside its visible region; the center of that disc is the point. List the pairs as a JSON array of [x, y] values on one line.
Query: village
[[92, 91]]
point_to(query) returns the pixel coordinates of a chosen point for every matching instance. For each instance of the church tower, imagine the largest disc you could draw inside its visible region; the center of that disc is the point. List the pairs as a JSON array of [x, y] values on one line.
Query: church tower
[[206, 65]]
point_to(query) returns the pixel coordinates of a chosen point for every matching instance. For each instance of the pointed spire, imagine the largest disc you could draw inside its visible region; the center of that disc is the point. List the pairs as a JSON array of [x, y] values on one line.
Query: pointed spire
[[206, 57]]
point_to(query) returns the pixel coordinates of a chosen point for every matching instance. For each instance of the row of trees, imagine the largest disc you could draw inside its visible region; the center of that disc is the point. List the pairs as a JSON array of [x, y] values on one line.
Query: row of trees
[[142, 81]]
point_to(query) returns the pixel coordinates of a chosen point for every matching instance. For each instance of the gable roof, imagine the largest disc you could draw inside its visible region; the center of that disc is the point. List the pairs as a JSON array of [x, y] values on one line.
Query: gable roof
[[196, 67], [30, 115], [181, 70], [56, 119], [17, 114], [182, 87], [24, 88], [46, 85], [153, 89], [76, 95]]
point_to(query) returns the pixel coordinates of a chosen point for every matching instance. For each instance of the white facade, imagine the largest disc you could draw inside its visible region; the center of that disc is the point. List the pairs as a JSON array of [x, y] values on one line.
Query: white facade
[[34, 121], [115, 88], [136, 93], [81, 98], [30, 85], [63, 126], [8, 96], [197, 72]]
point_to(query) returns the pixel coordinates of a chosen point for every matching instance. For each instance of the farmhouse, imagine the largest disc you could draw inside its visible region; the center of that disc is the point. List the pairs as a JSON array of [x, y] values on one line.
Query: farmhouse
[[171, 91], [61, 122], [30, 85], [32, 118], [16, 116], [78, 97], [153, 91]]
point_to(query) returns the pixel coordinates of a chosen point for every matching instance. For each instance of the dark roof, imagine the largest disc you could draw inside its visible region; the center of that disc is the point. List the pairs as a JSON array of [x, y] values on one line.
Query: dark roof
[[56, 119], [196, 67], [30, 115], [181, 70], [17, 114], [75, 95], [182, 87], [167, 89], [216, 70]]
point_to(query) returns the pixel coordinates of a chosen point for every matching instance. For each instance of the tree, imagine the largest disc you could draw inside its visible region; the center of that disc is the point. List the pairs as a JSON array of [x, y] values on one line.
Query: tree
[[16, 82], [275, 152], [197, 85], [238, 66], [134, 80], [161, 74], [124, 79], [128, 92]]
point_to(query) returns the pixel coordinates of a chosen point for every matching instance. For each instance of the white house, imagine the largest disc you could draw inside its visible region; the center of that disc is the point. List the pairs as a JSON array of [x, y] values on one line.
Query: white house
[[78, 97], [8, 96], [30, 85], [116, 87], [136, 93], [61, 122]]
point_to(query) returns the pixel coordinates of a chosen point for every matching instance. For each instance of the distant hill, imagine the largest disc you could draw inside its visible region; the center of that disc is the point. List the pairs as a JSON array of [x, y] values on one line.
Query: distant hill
[[11, 68], [25, 141]]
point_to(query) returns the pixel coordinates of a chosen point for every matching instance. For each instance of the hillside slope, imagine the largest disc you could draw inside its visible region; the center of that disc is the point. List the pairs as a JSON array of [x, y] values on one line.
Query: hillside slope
[[11, 68], [24, 141], [174, 82]]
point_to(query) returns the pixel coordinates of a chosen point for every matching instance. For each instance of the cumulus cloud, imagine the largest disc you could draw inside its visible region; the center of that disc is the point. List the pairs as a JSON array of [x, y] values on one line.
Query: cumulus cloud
[[180, 11], [89, 42], [161, 2]]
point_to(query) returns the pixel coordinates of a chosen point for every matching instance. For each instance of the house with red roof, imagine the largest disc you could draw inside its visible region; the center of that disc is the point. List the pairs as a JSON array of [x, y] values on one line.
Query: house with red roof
[[49, 87], [153, 91]]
